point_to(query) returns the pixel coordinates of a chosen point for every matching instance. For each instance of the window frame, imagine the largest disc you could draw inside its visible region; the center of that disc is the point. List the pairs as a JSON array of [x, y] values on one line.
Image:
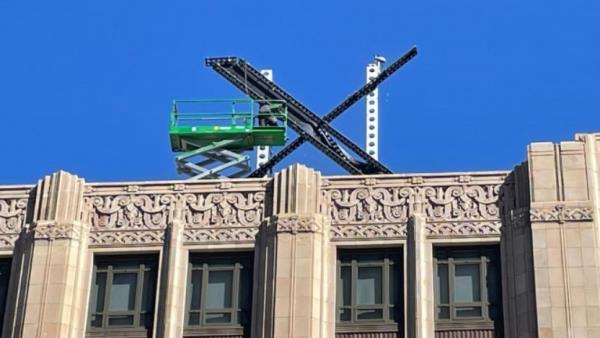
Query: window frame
[[143, 266], [241, 265], [484, 257], [391, 264], [5, 268]]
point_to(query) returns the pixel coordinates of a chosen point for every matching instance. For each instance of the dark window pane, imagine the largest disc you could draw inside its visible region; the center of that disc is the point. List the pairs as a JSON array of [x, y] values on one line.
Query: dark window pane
[[98, 292], [196, 289], [148, 293], [194, 319], [442, 284], [369, 314], [346, 285], [120, 320], [393, 292], [393, 313], [218, 295], [466, 283], [122, 292], [443, 312], [96, 321], [245, 292], [146, 320], [213, 318], [492, 283], [473, 311], [345, 315], [368, 286]]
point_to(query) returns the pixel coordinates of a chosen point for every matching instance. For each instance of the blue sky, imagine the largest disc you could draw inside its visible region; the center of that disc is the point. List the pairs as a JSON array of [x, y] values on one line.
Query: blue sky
[[87, 86]]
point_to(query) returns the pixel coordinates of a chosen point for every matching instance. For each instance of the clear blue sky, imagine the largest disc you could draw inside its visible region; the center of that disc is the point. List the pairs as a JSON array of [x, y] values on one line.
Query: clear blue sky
[[86, 86]]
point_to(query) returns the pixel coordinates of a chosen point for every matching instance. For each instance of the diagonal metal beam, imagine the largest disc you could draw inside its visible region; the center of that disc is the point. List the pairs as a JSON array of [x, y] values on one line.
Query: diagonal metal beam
[[338, 110]]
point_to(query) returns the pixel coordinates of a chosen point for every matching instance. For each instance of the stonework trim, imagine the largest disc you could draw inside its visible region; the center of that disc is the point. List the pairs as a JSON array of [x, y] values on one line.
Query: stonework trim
[[297, 223], [54, 231], [561, 213]]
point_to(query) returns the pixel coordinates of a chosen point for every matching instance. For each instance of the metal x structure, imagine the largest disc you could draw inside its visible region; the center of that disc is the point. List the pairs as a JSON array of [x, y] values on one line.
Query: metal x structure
[[309, 126]]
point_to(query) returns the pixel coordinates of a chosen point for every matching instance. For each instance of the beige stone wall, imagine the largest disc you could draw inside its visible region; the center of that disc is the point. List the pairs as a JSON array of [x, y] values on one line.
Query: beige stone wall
[[564, 237], [545, 214]]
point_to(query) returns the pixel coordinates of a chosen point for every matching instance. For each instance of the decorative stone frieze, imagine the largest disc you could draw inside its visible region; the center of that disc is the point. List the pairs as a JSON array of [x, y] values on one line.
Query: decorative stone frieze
[[297, 223], [13, 210], [138, 214], [53, 230], [129, 218], [561, 213], [450, 229], [456, 205]]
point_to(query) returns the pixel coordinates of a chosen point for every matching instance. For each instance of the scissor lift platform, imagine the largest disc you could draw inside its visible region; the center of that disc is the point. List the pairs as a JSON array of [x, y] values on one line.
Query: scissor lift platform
[[203, 128]]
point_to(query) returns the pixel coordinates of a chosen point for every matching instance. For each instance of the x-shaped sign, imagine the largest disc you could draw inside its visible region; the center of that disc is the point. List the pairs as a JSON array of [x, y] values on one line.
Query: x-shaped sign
[[308, 125]]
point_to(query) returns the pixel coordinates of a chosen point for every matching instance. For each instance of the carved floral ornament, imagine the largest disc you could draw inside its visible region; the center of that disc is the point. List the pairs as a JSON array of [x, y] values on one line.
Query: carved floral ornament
[[12, 219], [132, 218], [393, 205], [372, 211]]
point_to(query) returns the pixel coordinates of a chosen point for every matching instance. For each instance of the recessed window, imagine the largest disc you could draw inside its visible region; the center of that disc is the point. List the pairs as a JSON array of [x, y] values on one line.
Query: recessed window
[[467, 285], [4, 280], [369, 288], [219, 293], [122, 297]]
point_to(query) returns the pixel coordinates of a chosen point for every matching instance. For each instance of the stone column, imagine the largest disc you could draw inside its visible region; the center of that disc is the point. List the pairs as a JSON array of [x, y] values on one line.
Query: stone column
[[294, 293], [420, 298], [171, 305], [564, 236], [51, 293]]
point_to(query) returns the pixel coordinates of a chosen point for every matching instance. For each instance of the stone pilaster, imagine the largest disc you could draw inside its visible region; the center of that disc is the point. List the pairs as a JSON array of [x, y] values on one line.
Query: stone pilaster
[[294, 293], [171, 305], [564, 237], [51, 293], [420, 298]]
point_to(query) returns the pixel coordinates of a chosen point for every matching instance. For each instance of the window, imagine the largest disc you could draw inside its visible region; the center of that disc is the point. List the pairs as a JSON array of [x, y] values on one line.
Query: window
[[467, 284], [219, 295], [122, 297], [369, 287], [4, 280]]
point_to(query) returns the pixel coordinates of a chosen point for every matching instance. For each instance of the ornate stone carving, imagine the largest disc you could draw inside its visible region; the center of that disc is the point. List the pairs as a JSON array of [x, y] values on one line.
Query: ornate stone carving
[[243, 209], [12, 219], [147, 211], [129, 218], [449, 229], [561, 213], [12, 214], [52, 231], [220, 235], [108, 238], [371, 231], [459, 205], [295, 224], [222, 216]]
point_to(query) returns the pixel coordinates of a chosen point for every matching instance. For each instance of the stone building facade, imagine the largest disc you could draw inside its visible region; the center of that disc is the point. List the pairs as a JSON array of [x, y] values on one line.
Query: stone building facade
[[475, 254]]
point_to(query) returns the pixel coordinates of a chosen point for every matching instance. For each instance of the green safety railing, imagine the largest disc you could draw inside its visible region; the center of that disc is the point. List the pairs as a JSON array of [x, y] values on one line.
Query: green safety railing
[[242, 113]]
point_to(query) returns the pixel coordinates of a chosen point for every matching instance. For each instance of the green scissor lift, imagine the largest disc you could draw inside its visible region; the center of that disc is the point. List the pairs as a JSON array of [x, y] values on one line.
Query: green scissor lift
[[211, 141]]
